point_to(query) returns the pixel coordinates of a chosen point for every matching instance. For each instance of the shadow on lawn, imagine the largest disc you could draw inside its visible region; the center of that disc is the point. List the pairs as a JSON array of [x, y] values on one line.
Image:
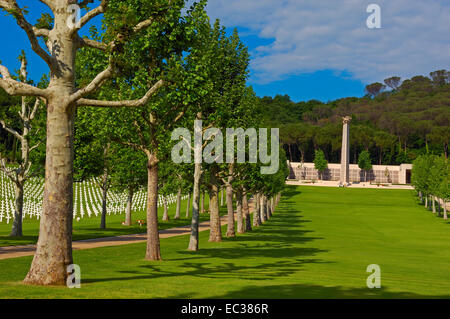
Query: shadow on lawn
[[271, 251], [298, 291]]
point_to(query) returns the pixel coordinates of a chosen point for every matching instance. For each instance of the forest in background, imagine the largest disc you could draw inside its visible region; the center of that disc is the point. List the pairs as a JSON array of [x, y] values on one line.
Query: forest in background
[[395, 121]]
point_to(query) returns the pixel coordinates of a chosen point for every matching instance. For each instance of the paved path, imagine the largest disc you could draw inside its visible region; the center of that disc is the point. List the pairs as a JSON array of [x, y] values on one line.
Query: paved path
[[28, 250]]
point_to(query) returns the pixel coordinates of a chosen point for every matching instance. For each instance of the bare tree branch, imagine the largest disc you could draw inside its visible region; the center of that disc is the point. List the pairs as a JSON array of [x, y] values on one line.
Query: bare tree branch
[[4, 169], [85, 42], [142, 25], [11, 130], [91, 14], [35, 108], [13, 87], [126, 103], [41, 32], [12, 8], [94, 85], [35, 146]]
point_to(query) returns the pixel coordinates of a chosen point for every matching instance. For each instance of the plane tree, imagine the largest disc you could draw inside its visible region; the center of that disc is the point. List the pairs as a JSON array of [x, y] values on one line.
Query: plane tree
[[21, 171], [127, 24]]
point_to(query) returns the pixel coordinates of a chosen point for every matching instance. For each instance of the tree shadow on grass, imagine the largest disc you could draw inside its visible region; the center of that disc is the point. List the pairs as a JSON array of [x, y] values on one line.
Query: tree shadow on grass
[[260, 271], [290, 191], [304, 291], [12, 241], [272, 251]]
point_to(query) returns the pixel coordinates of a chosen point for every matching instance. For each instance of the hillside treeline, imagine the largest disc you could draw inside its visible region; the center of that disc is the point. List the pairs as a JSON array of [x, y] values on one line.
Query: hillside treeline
[[395, 125]]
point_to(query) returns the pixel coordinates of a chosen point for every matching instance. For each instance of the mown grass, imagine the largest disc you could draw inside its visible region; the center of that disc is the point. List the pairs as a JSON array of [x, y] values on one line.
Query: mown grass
[[89, 227], [318, 244]]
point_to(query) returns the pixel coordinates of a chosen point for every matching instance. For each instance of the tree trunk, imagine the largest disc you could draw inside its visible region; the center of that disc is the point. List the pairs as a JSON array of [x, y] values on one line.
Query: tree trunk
[[439, 207], [256, 215], [433, 202], [202, 203], [178, 209], [262, 209], [215, 234], [445, 210], [239, 213], [269, 209], [246, 211], [230, 227], [166, 209], [188, 205], [426, 201], [221, 197], [104, 198], [129, 207], [54, 247], [153, 251], [16, 230], [193, 241]]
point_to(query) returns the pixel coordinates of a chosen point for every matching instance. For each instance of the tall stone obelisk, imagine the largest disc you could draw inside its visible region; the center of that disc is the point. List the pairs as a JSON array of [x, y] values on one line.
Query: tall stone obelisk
[[345, 151]]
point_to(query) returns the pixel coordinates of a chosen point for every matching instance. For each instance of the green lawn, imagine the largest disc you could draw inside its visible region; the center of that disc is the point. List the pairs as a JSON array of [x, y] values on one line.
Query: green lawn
[[89, 227], [317, 245]]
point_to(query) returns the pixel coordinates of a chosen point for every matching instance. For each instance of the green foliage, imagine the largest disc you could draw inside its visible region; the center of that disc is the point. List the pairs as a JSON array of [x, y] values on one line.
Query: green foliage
[[364, 161], [320, 162], [395, 127]]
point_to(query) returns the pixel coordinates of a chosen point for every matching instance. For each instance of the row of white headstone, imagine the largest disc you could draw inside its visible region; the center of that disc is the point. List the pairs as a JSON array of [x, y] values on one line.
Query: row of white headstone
[[87, 199]]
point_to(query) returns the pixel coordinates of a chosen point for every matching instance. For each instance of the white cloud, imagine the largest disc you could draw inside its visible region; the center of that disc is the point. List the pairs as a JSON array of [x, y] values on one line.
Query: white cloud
[[311, 35]]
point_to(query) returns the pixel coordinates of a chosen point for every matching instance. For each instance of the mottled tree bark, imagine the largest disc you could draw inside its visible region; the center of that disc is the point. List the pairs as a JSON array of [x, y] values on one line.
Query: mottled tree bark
[[269, 209], [16, 230], [54, 247], [188, 204], [129, 206], [202, 203], [246, 212], [166, 210], [193, 240], [230, 226], [256, 214], [104, 198], [262, 209], [215, 234], [178, 208], [239, 213], [445, 210], [153, 251]]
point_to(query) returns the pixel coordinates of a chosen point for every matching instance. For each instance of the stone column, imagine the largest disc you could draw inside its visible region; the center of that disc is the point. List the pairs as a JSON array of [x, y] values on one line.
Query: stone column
[[345, 151]]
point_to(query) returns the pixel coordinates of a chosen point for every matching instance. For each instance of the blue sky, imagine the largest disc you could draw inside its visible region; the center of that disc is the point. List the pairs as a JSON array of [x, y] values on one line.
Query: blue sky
[[309, 49]]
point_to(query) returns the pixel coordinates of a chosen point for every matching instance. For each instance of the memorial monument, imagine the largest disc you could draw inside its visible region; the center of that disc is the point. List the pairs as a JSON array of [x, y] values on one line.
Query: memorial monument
[[345, 151]]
